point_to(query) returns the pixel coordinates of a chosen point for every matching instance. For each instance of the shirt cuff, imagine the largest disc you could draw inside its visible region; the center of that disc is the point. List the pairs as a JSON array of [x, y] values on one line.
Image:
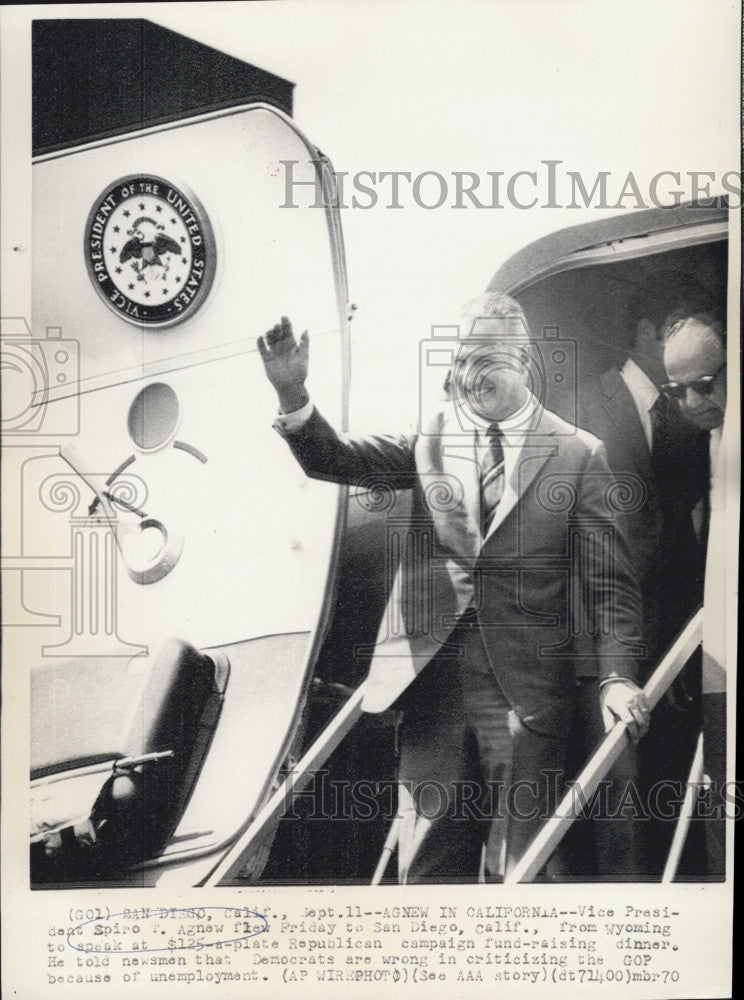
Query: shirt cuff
[[289, 423], [611, 680]]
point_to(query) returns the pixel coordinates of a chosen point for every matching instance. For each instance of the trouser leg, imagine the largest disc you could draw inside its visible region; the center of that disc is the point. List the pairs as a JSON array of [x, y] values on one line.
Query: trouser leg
[[488, 715], [476, 774], [603, 843], [455, 746], [437, 761], [537, 783]]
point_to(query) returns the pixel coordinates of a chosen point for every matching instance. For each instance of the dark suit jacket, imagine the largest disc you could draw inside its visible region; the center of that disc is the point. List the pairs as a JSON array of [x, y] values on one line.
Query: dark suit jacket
[[667, 557], [555, 528]]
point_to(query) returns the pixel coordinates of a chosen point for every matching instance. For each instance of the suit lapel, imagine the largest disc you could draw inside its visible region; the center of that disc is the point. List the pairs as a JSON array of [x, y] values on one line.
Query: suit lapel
[[455, 468], [450, 488], [622, 410]]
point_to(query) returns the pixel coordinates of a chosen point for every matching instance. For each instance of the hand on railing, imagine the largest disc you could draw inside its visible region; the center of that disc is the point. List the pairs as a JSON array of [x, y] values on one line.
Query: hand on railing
[[623, 701]]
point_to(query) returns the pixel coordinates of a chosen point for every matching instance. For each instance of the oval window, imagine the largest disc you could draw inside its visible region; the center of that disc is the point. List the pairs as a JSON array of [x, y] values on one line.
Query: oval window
[[153, 416]]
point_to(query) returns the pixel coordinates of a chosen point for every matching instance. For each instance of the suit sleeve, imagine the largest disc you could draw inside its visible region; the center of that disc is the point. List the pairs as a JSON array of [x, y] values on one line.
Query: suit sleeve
[[325, 454], [609, 587]]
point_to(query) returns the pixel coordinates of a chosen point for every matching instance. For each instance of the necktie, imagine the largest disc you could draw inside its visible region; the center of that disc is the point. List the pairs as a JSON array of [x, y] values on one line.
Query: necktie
[[492, 477], [668, 473], [660, 439]]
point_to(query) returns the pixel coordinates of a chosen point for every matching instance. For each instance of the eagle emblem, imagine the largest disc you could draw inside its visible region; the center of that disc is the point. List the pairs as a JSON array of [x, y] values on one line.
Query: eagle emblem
[[150, 250]]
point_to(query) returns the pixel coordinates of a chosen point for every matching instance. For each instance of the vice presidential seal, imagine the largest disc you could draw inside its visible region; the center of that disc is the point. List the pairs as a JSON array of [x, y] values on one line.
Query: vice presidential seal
[[150, 250]]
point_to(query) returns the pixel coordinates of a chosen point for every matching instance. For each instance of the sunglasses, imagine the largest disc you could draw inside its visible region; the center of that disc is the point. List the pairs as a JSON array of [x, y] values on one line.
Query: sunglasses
[[703, 385]]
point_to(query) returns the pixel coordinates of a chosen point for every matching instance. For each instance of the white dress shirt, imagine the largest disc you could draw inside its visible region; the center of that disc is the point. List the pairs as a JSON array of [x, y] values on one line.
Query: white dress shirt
[[513, 433], [644, 394]]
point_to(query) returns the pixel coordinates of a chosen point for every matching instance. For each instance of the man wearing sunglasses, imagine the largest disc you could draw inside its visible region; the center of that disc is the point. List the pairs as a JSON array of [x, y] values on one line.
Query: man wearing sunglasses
[[695, 362]]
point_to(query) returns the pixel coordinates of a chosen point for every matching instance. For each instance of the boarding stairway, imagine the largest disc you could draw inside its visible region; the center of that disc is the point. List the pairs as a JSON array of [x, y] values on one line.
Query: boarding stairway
[[261, 830]]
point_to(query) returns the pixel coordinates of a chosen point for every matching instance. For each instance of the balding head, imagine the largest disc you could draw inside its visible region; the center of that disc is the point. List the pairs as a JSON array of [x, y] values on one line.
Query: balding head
[[494, 315], [695, 362]]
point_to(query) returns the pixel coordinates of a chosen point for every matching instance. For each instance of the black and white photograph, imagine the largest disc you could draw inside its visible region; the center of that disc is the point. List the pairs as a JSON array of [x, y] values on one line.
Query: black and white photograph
[[370, 497]]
